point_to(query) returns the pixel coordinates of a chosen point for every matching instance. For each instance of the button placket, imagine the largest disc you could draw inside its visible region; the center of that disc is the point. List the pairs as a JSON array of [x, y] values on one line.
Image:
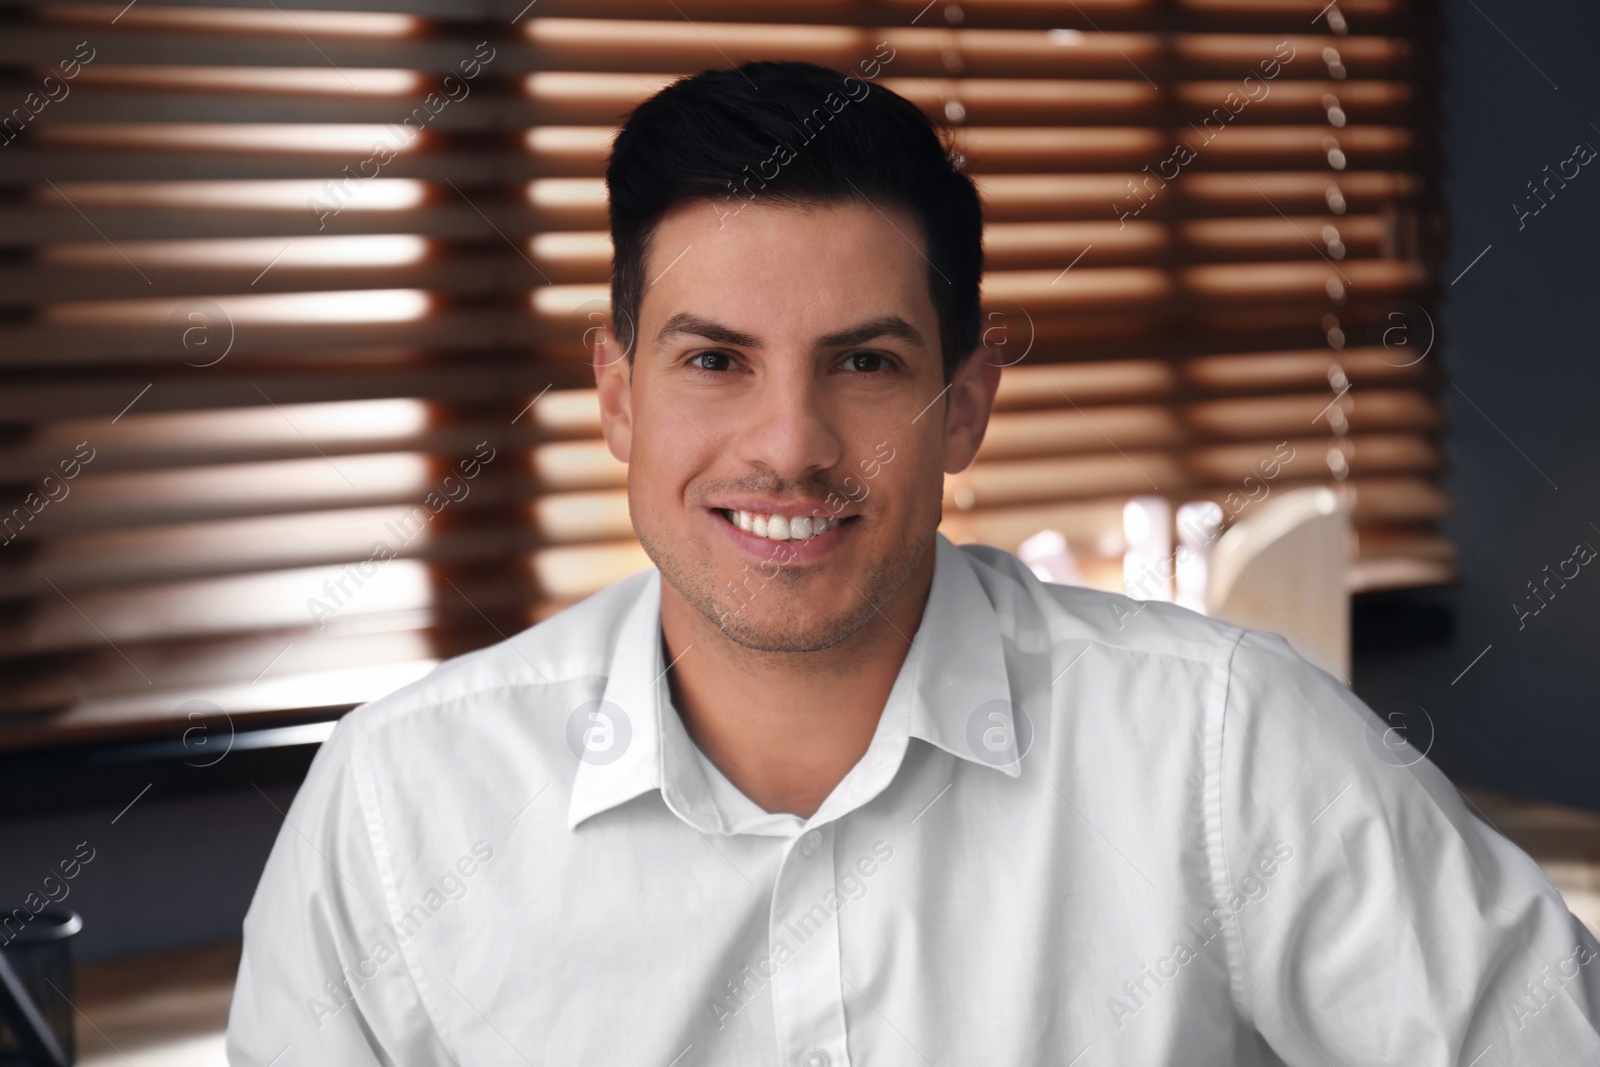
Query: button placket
[[807, 998]]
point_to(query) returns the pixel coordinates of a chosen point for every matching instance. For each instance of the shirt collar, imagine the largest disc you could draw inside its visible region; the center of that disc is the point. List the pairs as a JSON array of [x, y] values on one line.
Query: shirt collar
[[960, 669], [952, 691]]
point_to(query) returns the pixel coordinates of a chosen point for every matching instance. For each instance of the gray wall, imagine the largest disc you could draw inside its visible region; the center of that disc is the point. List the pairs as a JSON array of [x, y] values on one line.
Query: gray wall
[[1519, 338], [166, 873]]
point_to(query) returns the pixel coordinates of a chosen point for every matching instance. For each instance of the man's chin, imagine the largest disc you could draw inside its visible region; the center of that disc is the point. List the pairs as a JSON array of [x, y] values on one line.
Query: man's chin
[[796, 609], [759, 632]]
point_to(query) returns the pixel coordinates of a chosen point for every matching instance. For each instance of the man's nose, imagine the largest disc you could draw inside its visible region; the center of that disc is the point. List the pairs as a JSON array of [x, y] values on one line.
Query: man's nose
[[788, 427]]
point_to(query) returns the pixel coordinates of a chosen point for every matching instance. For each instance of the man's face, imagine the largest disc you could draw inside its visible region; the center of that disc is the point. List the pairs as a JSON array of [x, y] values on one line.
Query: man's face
[[787, 364]]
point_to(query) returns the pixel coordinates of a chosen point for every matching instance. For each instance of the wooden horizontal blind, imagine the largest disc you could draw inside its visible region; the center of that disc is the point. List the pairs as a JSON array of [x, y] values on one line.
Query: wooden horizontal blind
[[294, 305]]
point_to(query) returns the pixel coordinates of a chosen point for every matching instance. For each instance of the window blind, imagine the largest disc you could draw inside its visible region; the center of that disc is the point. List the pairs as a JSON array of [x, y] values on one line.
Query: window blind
[[295, 298]]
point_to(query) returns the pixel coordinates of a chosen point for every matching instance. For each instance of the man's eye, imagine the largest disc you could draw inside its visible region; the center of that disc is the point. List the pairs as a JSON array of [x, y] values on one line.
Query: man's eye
[[710, 361], [866, 362]]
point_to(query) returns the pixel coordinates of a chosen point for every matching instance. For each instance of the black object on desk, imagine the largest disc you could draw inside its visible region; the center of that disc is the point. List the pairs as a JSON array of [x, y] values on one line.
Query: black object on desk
[[36, 989]]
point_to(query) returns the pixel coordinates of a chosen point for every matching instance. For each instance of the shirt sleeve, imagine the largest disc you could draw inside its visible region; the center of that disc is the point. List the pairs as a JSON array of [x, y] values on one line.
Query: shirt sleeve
[[1373, 919], [323, 978]]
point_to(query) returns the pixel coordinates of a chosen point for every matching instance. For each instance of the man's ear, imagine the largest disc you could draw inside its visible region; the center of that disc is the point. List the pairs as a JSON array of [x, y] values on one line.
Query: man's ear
[[613, 377], [972, 392]]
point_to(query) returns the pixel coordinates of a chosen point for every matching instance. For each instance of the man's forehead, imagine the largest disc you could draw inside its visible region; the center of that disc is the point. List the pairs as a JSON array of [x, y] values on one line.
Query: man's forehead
[[832, 268], [738, 228]]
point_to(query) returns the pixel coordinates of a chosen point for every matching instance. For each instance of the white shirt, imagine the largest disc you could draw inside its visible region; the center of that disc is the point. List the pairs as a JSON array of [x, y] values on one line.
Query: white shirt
[[1208, 853]]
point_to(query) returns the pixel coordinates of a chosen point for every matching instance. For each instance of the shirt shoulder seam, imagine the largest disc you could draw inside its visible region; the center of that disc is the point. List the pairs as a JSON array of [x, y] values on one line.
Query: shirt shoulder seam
[[366, 796], [1215, 730]]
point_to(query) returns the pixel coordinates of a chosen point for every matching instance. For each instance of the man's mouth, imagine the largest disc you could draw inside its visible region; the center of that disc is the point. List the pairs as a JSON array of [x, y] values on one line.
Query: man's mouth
[[777, 527]]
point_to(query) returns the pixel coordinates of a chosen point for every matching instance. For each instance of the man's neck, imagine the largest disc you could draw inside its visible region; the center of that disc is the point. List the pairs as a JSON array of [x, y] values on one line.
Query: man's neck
[[786, 727]]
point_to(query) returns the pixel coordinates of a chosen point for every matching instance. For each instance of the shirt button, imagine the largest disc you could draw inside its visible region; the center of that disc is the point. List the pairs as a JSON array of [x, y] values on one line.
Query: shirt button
[[817, 1058], [809, 845]]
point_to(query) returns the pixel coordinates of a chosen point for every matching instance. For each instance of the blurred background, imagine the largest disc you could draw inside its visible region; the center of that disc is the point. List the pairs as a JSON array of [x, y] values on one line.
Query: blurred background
[[295, 400]]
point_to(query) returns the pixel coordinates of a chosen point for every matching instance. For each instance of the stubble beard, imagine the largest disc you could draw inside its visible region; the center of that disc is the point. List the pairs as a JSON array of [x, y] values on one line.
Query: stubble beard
[[751, 611]]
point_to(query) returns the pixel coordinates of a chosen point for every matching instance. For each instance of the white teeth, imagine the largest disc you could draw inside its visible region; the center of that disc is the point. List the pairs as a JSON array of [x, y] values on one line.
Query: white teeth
[[782, 527]]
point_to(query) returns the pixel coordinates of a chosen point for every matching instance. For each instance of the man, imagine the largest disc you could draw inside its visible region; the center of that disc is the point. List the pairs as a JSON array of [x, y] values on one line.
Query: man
[[822, 788]]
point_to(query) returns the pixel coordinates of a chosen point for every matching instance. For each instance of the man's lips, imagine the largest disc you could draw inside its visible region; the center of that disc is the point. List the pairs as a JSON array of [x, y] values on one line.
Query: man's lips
[[803, 550], [762, 525], [790, 509]]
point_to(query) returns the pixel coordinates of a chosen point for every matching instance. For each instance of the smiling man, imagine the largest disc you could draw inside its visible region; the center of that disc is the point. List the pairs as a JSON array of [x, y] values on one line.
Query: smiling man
[[823, 788]]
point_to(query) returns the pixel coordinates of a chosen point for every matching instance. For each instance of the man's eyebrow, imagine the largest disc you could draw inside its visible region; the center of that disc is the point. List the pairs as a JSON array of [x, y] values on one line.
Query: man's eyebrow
[[715, 332], [887, 326]]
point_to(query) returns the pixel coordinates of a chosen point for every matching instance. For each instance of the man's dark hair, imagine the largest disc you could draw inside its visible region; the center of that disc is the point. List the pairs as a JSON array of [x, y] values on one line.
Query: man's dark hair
[[831, 139]]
